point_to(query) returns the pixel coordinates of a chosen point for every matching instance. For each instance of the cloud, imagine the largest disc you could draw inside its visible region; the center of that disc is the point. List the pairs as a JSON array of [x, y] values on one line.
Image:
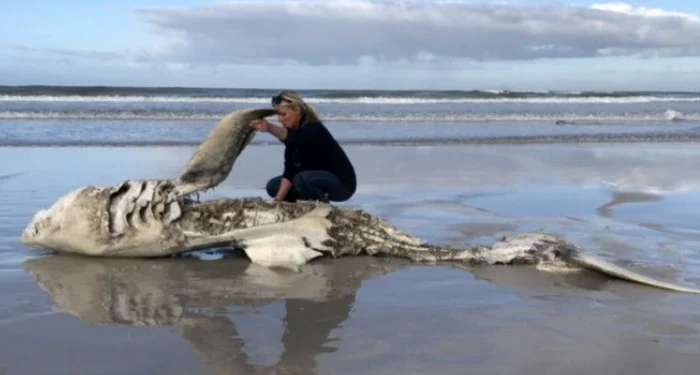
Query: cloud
[[359, 32], [65, 53], [643, 11]]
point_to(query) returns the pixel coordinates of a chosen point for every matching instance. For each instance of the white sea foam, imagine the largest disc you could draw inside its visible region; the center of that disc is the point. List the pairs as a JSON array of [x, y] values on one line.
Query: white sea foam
[[672, 115], [347, 100], [565, 118]]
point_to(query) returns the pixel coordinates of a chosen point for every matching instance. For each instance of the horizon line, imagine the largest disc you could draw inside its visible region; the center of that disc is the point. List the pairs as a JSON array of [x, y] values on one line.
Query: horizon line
[[501, 90]]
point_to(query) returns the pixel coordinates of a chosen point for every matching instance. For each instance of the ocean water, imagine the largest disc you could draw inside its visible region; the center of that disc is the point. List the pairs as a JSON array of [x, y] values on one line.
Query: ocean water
[[39, 115]]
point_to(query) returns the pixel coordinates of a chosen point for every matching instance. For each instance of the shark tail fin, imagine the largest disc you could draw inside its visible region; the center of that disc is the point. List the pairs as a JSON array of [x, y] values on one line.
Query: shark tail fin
[[610, 269]]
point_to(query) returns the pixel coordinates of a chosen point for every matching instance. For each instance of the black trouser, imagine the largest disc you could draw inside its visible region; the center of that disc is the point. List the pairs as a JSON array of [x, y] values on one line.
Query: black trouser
[[312, 185]]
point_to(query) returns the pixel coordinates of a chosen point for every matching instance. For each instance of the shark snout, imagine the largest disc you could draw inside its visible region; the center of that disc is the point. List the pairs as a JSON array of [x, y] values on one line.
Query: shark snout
[[28, 233], [31, 231]]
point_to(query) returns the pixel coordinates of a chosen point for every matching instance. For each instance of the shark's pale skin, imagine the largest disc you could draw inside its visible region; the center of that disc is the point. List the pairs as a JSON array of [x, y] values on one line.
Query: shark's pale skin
[[157, 218]]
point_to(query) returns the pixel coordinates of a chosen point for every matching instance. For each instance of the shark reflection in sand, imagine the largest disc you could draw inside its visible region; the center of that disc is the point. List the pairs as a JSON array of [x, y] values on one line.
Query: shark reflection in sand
[[185, 294]]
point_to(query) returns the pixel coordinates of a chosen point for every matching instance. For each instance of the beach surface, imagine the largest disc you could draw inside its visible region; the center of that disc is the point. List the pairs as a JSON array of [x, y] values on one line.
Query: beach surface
[[634, 204]]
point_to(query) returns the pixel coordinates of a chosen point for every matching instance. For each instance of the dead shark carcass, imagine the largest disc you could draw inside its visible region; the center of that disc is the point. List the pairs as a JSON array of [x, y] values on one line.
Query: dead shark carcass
[[156, 218]]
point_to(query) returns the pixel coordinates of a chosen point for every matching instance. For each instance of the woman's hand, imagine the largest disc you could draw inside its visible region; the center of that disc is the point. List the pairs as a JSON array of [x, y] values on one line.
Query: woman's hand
[[285, 186], [260, 125]]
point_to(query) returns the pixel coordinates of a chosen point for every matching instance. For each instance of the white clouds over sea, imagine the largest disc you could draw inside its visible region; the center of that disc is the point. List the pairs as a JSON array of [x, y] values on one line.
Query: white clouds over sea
[[364, 44], [415, 32]]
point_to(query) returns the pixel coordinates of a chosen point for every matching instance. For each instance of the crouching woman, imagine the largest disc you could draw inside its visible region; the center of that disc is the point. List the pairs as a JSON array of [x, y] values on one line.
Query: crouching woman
[[315, 166]]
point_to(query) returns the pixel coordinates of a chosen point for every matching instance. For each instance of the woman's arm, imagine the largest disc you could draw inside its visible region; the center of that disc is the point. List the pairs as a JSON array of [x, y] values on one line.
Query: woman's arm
[[285, 186], [279, 132]]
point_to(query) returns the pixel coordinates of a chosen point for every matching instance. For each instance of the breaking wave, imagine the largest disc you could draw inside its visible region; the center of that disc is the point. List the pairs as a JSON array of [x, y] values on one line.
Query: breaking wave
[[672, 115], [252, 96], [396, 100], [156, 115]]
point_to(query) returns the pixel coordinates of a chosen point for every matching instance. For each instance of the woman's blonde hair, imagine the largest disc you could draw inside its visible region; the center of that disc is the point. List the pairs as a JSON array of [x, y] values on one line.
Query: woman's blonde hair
[[289, 98]]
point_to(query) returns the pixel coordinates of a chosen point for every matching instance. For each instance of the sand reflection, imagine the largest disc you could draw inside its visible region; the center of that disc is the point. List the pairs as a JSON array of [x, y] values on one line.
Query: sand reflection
[[621, 197]]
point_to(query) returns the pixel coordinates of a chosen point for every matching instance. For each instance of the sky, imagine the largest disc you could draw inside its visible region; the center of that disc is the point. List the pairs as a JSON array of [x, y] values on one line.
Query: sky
[[354, 44]]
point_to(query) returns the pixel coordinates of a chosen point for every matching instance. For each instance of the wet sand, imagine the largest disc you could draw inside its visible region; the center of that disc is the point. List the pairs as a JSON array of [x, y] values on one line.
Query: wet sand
[[634, 204]]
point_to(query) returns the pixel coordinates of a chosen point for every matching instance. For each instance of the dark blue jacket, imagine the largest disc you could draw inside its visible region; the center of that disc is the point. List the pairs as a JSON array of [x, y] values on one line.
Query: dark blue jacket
[[312, 147]]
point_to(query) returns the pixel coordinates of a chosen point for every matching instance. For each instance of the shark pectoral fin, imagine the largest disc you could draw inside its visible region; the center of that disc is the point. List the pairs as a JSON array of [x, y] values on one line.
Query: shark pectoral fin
[[280, 250], [610, 269], [286, 244], [321, 210]]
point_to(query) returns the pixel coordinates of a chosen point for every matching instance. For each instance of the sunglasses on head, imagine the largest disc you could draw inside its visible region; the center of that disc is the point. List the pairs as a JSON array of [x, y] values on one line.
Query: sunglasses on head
[[278, 99]]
